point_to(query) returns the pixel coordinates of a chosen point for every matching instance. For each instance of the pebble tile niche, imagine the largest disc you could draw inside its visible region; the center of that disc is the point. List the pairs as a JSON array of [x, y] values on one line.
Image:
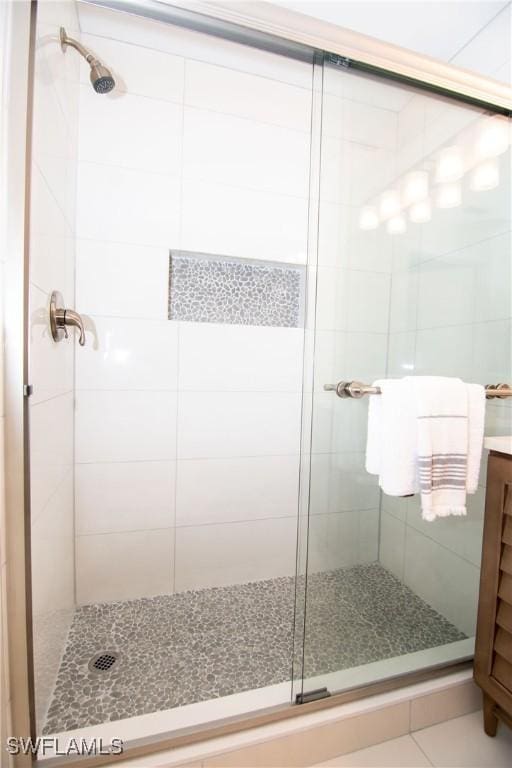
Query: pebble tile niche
[[202, 644], [217, 289]]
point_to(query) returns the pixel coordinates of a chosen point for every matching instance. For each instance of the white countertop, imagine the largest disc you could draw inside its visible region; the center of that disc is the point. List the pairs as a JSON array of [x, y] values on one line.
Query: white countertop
[[501, 444]]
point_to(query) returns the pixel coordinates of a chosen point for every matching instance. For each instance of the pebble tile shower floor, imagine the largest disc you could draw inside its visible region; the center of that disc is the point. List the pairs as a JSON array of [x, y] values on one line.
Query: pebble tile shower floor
[[198, 645]]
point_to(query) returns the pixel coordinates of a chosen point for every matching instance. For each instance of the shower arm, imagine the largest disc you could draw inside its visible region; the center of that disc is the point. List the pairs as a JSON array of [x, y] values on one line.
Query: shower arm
[[65, 41]]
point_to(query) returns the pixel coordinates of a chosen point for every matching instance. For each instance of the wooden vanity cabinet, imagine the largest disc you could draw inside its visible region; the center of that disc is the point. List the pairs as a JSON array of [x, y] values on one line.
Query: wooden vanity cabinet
[[493, 651]]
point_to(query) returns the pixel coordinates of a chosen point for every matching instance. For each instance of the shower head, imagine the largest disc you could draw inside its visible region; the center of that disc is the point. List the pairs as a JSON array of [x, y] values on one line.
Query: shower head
[[101, 77]]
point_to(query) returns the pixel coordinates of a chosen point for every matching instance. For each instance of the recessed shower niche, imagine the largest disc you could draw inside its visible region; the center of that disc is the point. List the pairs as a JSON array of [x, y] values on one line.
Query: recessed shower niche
[[211, 289]]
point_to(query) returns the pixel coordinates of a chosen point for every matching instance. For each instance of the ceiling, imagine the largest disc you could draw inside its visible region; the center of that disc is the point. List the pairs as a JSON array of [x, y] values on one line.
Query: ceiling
[[437, 28]]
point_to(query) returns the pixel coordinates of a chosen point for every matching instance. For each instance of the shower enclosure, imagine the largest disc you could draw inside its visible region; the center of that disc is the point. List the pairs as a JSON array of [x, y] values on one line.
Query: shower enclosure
[[240, 227]]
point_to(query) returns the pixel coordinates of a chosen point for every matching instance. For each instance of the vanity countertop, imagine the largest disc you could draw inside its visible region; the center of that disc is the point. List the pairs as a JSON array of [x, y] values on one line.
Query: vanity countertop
[[501, 444]]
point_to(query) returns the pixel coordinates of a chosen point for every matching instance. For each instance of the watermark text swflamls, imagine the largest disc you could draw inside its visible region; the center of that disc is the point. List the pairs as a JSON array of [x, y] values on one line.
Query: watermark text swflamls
[[53, 745]]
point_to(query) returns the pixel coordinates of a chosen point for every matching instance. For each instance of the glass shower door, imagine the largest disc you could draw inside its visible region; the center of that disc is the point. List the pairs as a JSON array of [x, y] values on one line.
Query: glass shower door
[[412, 278]]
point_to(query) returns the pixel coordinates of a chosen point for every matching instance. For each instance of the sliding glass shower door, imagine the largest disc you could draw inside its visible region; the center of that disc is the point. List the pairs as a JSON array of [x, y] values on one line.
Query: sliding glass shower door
[[412, 278]]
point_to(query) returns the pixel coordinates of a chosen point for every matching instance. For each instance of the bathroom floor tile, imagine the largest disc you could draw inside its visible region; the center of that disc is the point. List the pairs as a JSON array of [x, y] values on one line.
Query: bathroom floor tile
[[463, 743], [203, 644], [395, 753]]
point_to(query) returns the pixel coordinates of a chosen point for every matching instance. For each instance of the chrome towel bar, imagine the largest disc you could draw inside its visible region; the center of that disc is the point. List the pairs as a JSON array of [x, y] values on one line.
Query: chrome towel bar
[[356, 389]]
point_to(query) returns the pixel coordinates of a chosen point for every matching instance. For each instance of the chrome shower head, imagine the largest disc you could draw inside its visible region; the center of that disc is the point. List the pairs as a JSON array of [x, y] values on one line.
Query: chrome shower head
[[101, 77]]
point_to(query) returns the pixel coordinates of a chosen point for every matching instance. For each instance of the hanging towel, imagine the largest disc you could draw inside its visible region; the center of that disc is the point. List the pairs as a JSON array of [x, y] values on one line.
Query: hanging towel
[[442, 429], [391, 443], [425, 435]]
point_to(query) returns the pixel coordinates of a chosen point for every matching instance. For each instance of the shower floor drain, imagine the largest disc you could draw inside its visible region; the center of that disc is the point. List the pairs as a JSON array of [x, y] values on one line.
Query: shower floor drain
[[104, 661]]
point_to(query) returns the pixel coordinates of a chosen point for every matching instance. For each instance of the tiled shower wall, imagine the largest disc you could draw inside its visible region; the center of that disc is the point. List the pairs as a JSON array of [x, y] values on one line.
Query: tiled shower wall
[[187, 433], [359, 130], [52, 233], [451, 315]]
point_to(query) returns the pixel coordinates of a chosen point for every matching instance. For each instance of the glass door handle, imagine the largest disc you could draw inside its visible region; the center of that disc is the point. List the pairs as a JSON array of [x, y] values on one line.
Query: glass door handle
[[61, 319]]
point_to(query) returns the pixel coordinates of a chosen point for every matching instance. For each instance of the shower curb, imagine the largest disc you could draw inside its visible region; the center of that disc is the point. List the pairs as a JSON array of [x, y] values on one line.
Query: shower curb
[[319, 736]]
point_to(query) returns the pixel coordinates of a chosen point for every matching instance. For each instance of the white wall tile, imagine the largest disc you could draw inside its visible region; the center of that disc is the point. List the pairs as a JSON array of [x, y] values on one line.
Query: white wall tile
[[343, 244], [340, 483], [446, 292], [123, 566], [52, 243], [461, 535], [52, 255], [243, 222], [125, 426], [218, 424], [124, 496], [493, 278], [50, 364], [445, 352], [492, 354], [51, 449], [330, 312], [137, 68], [445, 581], [122, 280], [233, 357], [368, 539], [244, 153], [128, 206], [368, 302], [234, 553], [349, 425], [322, 417], [129, 354], [130, 131], [401, 354], [404, 301], [392, 544], [481, 216], [396, 506], [53, 564], [333, 541], [239, 93], [352, 300], [47, 216], [359, 122], [232, 490], [353, 172]]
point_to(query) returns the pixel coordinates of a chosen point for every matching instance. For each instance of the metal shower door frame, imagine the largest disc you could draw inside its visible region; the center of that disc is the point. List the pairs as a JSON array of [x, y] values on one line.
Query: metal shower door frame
[[258, 24]]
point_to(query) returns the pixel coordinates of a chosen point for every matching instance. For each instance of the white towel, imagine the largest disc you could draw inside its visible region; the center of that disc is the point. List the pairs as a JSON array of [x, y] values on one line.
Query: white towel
[[425, 434], [391, 442], [443, 441]]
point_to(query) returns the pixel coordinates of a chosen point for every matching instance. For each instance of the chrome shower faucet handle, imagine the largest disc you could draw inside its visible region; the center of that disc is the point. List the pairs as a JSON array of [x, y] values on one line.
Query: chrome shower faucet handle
[[61, 319]]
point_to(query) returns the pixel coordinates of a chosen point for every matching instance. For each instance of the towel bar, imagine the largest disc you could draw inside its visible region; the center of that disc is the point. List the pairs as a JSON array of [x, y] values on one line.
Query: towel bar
[[356, 389]]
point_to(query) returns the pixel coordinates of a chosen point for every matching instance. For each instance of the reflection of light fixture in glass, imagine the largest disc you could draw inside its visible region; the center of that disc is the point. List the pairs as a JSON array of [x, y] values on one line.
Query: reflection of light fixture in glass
[[493, 140], [389, 204], [368, 218], [396, 225], [485, 176], [420, 212], [449, 196], [415, 187], [450, 165]]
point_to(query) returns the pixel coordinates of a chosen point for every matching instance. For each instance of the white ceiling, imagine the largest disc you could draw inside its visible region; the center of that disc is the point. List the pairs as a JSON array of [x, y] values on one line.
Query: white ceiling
[[439, 28]]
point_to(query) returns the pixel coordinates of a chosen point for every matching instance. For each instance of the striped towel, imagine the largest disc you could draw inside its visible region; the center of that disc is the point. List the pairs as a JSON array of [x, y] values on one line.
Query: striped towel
[[443, 409]]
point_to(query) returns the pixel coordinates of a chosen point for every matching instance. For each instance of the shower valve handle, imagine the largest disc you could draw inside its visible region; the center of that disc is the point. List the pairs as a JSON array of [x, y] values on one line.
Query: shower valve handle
[[61, 319]]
